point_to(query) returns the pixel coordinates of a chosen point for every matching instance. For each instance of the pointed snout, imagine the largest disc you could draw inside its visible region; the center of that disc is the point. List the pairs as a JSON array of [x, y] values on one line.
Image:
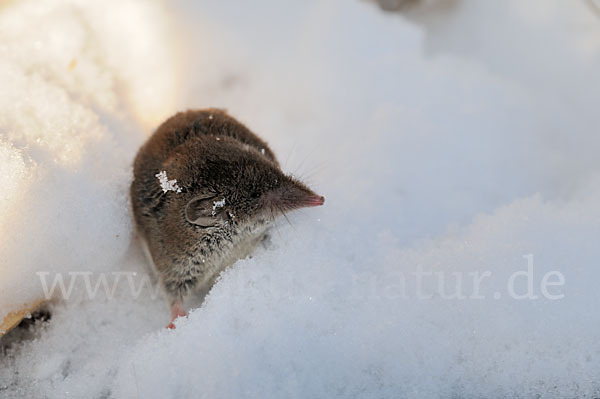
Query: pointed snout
[[294, 196], [300, 196], [311, 200]]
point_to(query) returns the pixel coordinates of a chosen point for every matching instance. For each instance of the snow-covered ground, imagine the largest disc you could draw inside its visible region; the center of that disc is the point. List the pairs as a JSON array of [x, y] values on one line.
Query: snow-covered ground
[[457, 148]]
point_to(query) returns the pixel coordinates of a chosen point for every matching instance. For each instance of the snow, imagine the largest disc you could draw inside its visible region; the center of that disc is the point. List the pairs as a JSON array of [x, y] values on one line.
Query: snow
[[217, 205], [166, 184], [457, 150]]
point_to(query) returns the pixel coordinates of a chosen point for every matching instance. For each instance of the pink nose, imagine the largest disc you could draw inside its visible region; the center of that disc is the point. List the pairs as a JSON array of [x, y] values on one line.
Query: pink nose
[[314, 200]]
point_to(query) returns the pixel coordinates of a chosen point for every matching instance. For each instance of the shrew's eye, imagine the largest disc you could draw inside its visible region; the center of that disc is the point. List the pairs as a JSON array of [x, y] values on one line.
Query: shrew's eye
[[255, 194]]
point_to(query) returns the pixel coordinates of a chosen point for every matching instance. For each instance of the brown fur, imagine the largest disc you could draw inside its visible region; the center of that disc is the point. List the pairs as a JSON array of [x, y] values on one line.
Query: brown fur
[[213, 157]]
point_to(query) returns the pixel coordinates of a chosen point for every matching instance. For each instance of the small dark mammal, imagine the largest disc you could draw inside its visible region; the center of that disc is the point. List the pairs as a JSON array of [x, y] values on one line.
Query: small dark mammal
[[205, 190]]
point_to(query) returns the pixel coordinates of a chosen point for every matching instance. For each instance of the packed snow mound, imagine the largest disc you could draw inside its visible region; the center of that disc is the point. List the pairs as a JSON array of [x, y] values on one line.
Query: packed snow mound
[[308, 320], [67, 75], [456, 255]]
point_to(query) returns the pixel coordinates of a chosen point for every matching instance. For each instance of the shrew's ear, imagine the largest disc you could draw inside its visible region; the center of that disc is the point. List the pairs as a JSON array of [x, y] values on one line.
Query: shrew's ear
[[201, 211]]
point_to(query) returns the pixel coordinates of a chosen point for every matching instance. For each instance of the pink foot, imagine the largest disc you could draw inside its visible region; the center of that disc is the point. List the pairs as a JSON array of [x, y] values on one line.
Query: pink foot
[[177, 311]]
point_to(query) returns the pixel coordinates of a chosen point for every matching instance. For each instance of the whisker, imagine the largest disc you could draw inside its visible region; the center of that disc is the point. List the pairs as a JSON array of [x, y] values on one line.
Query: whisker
[[315, 170], [287, 159], [285, 216], [276, 227]]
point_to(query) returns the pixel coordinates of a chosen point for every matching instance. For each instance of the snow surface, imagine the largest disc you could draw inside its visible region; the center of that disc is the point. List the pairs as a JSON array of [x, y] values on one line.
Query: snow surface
[[217, 205], [473, 128]]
